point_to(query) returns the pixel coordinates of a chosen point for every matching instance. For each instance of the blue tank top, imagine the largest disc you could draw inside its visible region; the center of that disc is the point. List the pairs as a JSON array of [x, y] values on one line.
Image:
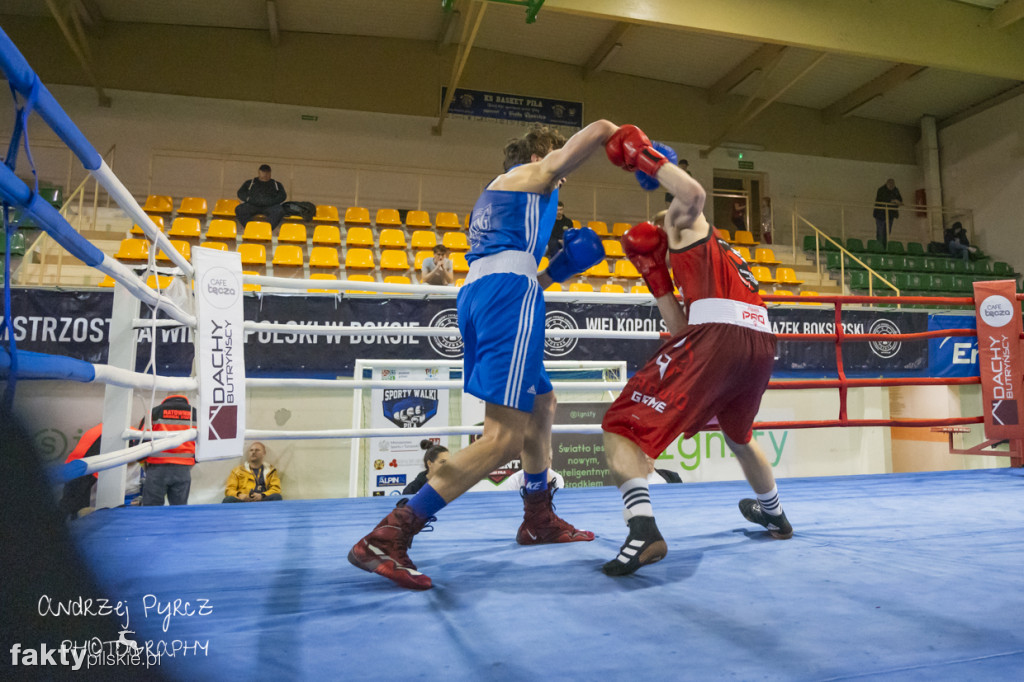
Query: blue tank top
[[511, 221]]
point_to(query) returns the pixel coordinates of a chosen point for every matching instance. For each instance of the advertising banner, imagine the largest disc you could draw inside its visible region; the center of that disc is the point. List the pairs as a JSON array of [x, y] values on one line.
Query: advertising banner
[[506, 107], [396, 460], [999, 355], [220, 354], [953, 356]]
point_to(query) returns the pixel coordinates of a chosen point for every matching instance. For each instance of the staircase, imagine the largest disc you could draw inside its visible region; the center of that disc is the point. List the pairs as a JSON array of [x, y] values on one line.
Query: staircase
[[46, 263]]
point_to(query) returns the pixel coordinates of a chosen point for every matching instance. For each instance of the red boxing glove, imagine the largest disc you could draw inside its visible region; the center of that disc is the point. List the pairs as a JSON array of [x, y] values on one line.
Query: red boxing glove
[[624, 146], [646, 246]]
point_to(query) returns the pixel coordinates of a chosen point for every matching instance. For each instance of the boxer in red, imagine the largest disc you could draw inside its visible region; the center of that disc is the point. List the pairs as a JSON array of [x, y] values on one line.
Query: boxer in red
[[717, 363]]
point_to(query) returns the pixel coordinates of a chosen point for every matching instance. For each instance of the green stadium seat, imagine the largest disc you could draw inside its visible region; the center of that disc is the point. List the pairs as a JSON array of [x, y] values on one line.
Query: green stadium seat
[[17, 244], [23, 219], [946, 265], [854, 245], [895, 248], [52, 195], [913, 263], [962, 283], [808, 242], [875, 246], [940, 282], [915, 249], [1002, 269], [960, 267]]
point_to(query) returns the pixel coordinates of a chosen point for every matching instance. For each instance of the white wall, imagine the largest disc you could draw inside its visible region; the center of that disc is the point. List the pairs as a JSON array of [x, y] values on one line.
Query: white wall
[[982, 162]]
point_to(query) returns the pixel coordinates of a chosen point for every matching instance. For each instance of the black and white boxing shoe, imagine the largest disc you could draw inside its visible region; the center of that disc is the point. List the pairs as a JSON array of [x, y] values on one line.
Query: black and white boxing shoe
[[643, 546]]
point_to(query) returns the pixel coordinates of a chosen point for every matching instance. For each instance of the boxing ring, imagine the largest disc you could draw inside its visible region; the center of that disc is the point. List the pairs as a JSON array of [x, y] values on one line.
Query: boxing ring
[[895, 576]]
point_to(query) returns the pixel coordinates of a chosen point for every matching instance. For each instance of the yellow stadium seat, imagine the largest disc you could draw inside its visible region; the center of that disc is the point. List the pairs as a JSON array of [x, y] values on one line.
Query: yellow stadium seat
[[459, 263], [158, 203], [133, 249], [326, 214], [619, 229], [554, 287], [357, 215], [762, 274], [326, 235], [600, 227], [581, 286], [185, 228], [181, 246], [324, 257], [220, 228], [424, 239], [216, 246], [253, 254], [639, 289], [460, 281], [543, 265], [359, 236], [289, 255], [810, 293], [613, 248], [225, 208], [744, 252], [392, 238], [625, 270], [163, 281], [292, 233], [394, 259], [418, 220], [783, 292], [257, 231], [360, 278], [251, 287], [724, 235], [447, 221], [324, 277], [397, 279], [107, 282], [599, 270], [455, 241], [744, 238], [359, 259], [576, 224], [157, 220], [612, 289], [387, 217], [787, 276], [193, 206], [764, 256], [420, 257]]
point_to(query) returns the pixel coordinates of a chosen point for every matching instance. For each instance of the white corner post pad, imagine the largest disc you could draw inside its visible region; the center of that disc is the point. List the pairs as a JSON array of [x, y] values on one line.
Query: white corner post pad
[[220, 354]]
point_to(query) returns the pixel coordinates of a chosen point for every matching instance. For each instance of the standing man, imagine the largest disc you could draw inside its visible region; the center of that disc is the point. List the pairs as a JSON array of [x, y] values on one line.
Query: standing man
[[558, 231], [887, 200], [501, 318], [169, 473], [263, 195], [716, 364]]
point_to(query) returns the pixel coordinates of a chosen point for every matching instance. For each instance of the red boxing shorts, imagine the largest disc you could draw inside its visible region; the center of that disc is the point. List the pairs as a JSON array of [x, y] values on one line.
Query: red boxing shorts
[[710, 370]]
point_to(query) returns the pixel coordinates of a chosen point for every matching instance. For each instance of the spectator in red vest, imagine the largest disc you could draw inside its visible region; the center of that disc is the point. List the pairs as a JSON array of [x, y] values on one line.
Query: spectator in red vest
[[78, 491], [169, 473]]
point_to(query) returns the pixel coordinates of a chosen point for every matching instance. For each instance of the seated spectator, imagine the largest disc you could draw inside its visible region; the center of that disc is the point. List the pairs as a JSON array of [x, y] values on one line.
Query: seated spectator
[[434, 456], [254, 480], [261, 195], [518, 480], [661, 475], [957, 243], [437, 269]]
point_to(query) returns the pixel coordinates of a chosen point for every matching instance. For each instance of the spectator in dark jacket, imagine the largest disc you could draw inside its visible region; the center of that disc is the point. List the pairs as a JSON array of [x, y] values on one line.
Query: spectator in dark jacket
[[261, 195], [434, 455], [957, 242], [887, 200]]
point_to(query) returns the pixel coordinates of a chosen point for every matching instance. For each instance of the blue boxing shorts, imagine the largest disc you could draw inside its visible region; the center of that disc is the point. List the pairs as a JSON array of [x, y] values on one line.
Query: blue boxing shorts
[[501, 317]]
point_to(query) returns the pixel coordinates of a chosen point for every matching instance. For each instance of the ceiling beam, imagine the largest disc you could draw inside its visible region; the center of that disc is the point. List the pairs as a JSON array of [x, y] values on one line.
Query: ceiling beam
[[474, 16], [78, 46], [763, 59], [1006, 14], [608, 47], [272, 25], [949, 35], [975, 109], [869, 91], [448, 23]]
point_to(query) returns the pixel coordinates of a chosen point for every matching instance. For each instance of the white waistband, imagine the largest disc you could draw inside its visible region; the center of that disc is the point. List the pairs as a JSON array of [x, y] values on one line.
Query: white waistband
[[513, 262], [727, 311]]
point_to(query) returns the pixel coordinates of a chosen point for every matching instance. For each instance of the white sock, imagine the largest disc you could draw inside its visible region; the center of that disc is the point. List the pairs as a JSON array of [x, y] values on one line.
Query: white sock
[[769, 501], [636, 498]]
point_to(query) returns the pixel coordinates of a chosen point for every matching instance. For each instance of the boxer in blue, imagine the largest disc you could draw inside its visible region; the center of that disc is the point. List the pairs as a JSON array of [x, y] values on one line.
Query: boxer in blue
[[501, 318]]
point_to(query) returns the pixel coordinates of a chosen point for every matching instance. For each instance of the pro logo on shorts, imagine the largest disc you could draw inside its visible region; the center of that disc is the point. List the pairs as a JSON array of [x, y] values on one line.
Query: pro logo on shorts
[[446, 346], [884, 349], [220, 287], [559, 347], [223, 422], [409, 408], [996, 311]]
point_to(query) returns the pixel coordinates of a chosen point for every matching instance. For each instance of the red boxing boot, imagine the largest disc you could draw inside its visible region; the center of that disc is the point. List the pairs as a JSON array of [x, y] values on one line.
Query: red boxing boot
[[385, 550], [541, 525]]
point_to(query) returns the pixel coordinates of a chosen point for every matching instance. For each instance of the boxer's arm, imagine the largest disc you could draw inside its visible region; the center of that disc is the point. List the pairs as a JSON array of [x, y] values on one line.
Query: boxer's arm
[[577, 149], [672, 312], [684, 221]]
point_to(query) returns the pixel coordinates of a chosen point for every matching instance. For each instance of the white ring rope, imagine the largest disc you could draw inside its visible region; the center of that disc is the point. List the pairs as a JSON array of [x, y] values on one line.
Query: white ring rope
[[387, 383], [342, 330], [260, 434], [110, 460], [125, 378]]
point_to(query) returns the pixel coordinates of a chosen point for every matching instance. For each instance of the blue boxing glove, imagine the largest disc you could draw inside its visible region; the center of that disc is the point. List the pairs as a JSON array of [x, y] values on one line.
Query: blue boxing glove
[[649, 182], [581, 249]]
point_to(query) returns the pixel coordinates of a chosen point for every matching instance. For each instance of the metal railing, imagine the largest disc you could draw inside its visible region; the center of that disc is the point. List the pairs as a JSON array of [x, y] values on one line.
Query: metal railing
[[844, 253]]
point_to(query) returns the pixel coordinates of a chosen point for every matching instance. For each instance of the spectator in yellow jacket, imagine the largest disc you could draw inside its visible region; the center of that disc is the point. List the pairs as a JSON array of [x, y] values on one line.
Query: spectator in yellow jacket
[[254, 480]]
